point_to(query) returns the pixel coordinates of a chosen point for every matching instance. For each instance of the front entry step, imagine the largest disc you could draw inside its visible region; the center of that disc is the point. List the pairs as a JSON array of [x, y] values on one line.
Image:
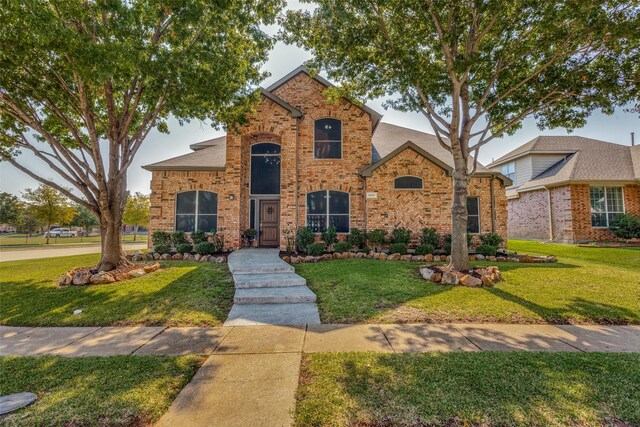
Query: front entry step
[[292, 295], [273, 314], [269, 280]]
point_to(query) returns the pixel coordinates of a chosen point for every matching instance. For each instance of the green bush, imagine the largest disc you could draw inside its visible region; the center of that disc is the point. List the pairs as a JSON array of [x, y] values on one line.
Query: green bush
[[377, 237], [161, 238], [218, 242], [199, 237], [491, 239], [205, 248], [183, 248], [162, 249], [315, 249], [329, 236], [487, 250], [447, 243], [430, 237], [366, 249], [342, 247], [357, 238], [424, 249], [626, 226], [401, 235], [178, 238], [398, 248], [304, 237]]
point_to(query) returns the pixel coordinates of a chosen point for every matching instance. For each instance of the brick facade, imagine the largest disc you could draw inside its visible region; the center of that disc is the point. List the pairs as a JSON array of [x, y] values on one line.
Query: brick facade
[[301, 173]]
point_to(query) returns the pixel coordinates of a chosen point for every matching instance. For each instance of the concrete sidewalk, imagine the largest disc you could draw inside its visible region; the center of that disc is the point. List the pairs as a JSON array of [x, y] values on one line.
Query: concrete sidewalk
[[391, 338], [7, 254]]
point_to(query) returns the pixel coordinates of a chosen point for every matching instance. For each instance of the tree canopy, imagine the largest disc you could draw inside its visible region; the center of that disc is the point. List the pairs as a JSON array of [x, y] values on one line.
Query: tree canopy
[[9, 208], [136, 211], [49, 206]]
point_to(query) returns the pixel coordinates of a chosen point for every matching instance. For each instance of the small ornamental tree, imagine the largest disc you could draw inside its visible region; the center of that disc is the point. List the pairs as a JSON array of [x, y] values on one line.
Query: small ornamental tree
[[84, 219], [476, 69], [49, 206], [84, 82], [136, 212]]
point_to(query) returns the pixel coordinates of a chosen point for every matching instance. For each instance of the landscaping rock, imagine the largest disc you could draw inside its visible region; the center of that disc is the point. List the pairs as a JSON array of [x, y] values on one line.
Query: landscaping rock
[[394, 257], [486, 280], [472, 257], [361, 255], [185, 256], [150, 268], [157, 256], [436, 258], [469, 280], [102, 277], [527, 259], [436, 278], [176, 257], [417, 258], [286, 258], [552, 258], [426, 273], [382, 256], [205, 258], [491, 258], [480, 257], [66, 279], [513, 259], [197, 257], [450, 278], [405, 258], [501, 259], [165, 257], [428, 258], [136, 258], [81, 278], [295, 260], [137, 273]]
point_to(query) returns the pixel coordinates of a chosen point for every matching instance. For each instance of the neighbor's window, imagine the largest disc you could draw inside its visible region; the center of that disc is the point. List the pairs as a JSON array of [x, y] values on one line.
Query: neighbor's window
[[326, 208], [473, 215], [328, 139], [509, 170], [196, 210], [607, 203], [408, 183], [265, 168]]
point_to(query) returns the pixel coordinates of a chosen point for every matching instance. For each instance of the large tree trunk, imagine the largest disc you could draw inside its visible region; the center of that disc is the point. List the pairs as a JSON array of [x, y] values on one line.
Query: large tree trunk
[[459, 249], [110, 217]]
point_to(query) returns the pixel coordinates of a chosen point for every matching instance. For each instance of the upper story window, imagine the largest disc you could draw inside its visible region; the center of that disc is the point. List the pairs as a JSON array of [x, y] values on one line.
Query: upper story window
[[607, 204], [509, 170], [196, 210], [265, 168], [473, 214], [326, 208], [408, 183], [327, 139]]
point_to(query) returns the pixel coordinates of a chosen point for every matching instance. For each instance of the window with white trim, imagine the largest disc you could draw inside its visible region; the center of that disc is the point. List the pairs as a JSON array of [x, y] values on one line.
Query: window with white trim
[[473, 214], [607, 204], [327, 139], [408, 183], [509, 170], [326, 208], [196, 210]]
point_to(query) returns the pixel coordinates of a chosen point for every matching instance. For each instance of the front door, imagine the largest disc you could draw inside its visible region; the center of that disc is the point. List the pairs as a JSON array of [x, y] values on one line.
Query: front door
[[269, 223]]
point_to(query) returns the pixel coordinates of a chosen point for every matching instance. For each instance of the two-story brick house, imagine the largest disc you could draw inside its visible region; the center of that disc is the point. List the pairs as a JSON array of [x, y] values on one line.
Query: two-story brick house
[[303, 161]]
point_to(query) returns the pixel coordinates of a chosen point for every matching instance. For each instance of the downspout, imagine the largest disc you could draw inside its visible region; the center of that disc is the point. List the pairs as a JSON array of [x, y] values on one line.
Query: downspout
[[297, 174], [364, 202], [493, 205], [550, 214]]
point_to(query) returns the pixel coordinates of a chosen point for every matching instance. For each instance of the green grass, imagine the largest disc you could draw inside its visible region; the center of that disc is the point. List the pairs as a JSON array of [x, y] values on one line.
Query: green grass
[[479, 389], [180, 294], [18, 240], [94, 391], [587, 285]]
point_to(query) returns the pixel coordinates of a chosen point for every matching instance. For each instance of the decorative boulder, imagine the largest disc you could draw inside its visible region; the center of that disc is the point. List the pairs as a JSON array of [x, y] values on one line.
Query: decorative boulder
[[176, 257], [436, 258], [479, 257], [157, 256], [472, 258], [137, 273], [295, 260], [150, 268], [417, 258], [382, 256], [82, 277], [501, 259], [526, 259], [428, 258], [426, 273], [197, 257], [405, 258], [102, 277], [66, 279], [394, 257], [165, 257], [469, 280], [450, 278], [286, 258]]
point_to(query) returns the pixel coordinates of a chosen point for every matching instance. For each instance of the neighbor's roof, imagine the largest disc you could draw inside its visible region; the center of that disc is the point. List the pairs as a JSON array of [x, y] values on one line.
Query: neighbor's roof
[[210, 155], [586, 160]]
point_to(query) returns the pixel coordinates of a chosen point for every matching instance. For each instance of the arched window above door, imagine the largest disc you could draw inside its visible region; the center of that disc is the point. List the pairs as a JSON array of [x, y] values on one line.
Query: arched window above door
[[265, 168]]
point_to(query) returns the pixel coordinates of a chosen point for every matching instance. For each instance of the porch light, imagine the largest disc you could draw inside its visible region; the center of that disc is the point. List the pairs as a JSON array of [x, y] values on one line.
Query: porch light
[[231, 197]]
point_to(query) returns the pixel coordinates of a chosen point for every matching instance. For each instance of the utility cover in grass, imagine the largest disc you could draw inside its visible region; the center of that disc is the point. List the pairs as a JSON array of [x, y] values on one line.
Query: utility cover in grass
[[11, 402]]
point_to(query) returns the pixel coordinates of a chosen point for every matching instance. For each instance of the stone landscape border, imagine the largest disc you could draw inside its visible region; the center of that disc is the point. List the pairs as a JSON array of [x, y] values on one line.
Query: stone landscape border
[[187, 256]]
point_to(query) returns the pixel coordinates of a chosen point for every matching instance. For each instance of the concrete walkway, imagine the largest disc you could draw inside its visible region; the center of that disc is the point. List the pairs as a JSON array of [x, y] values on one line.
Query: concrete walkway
[[268, 291], [56, 251]]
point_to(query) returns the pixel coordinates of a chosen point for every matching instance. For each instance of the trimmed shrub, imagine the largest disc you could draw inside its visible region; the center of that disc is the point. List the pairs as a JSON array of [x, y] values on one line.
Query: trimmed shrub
[[357, 238], [491, 239], [205, 248], [304, 237], [199, 237], [398, 248], [162, 249], [487, 250], [342, 247], [424, 250], [184, 248], [161, 238], [178, 238], [626, 226], [315, 249], [401, 235], [430, 237], [329, 236], [377, 237], [366, 249]]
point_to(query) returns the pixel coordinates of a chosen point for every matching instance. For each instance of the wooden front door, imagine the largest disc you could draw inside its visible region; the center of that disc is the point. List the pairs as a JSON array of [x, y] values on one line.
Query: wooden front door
[[269, 223]]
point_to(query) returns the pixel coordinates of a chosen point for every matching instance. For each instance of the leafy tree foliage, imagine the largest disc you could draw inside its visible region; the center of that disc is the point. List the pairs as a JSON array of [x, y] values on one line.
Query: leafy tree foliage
[[136, 212], [85, 219], [476, 69], [9, 208], [49, 206], [83, 84]]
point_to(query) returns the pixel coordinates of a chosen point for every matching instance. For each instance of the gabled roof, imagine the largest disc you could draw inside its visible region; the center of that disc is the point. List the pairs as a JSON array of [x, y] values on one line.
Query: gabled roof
[[210, 158], [219, 141], [375, 116], [294, 111]]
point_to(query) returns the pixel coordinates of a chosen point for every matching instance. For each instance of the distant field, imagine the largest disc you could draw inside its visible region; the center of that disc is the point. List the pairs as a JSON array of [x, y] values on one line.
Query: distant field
[[36, 240]]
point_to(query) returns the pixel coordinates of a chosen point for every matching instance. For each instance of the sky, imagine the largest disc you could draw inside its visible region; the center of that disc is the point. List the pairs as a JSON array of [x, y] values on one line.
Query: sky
[[282, 59]]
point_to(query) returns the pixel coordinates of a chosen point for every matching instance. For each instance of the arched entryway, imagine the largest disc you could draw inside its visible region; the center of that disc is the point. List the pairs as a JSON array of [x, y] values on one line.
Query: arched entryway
[[264, 192]]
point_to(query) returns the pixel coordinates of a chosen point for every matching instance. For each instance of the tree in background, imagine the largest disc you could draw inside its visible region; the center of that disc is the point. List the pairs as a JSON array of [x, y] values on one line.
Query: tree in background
[[476, 69], [84, 82], [49, 206], [136, 212], [84, 219], [27, 223], [9, 208]]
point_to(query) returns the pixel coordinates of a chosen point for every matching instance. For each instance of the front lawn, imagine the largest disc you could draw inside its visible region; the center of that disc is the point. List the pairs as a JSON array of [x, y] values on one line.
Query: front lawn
[[587, 285], [95, 391], [461, 389], [181, 294]]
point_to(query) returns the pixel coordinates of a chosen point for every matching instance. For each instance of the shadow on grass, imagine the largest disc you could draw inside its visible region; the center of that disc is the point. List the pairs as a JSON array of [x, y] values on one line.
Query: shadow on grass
[[178, 295]]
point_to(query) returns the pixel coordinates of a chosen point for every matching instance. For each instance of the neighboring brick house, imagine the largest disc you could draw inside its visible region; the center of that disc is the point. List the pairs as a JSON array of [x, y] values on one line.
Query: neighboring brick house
[[569, 188], [303, 161]]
